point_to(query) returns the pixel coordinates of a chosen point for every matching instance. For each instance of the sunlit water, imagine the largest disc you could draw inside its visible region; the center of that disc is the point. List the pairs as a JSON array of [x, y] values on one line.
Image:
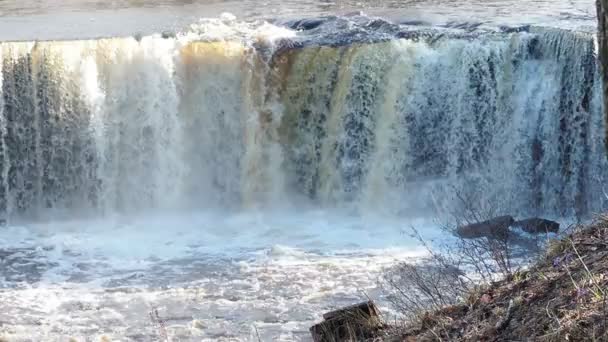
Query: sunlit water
[[266, 266]]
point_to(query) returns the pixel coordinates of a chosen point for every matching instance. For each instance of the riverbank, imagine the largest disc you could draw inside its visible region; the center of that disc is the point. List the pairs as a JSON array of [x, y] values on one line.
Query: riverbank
[[562, 297]]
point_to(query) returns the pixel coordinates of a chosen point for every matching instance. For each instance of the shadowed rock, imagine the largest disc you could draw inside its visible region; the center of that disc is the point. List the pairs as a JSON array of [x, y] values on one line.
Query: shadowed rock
[[497, 227], [537, 226]]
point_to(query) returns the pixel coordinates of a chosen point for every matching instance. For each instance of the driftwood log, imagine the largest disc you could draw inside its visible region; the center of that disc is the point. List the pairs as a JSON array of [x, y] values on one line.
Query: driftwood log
[[352, 323]]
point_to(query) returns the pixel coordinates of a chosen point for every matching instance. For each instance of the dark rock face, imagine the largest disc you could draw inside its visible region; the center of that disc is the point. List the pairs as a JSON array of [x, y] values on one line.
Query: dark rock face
[[537, 226], [497, 227], [353, 323]]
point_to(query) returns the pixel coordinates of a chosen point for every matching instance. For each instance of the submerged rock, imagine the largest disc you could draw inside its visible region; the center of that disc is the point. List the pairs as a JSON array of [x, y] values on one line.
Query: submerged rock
[[497, 227]]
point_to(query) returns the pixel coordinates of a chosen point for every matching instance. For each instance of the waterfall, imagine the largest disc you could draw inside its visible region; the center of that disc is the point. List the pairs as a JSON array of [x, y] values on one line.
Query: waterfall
[[263, 116]]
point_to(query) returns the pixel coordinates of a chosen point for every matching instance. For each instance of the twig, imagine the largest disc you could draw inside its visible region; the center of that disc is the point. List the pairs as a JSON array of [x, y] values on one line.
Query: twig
[[257, 333], [604, 311], [551, 315], [501, 324], [156, 320], [589, 274], [437, 336]]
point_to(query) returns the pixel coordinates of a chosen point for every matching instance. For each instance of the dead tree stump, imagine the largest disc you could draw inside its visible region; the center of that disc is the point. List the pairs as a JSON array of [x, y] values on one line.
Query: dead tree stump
[[352, 323]]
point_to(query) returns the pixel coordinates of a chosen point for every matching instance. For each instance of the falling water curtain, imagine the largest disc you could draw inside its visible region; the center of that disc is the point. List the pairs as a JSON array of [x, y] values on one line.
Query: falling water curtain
[[602, 17]]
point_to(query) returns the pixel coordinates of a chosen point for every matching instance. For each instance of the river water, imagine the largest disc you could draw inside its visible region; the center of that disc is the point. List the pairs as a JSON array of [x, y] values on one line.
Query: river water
[[168, 168], [74, 19]]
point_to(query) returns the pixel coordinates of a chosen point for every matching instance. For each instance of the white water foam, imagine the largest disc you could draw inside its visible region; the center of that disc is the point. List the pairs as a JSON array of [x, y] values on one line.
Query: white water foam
[[207, 276]]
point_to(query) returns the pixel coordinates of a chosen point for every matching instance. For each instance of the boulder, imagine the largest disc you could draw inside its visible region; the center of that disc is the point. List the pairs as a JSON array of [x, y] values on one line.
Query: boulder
[[537, 226], [168, 34], [353, 323], [495, 228]]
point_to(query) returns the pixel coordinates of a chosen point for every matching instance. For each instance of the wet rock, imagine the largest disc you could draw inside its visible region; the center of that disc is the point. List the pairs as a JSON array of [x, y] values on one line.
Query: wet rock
[[515, 29], [497, 227], [307, 24], [537, 226], [168, 34], [353, 323]]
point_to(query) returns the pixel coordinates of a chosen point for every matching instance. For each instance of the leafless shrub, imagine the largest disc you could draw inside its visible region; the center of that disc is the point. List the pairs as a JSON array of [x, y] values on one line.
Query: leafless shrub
[[488, 258], [426, 286], [455, 268]]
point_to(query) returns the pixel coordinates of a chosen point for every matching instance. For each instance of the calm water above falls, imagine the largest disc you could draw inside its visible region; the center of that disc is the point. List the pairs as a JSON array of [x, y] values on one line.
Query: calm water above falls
[[238, 175], [73, 19]]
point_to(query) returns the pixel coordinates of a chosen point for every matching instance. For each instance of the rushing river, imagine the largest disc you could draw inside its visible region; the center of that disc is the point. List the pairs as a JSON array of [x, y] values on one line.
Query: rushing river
[[168, 168]]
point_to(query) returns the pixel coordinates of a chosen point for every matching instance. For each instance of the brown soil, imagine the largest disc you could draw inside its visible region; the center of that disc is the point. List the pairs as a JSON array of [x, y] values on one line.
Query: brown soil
[[561, 298]]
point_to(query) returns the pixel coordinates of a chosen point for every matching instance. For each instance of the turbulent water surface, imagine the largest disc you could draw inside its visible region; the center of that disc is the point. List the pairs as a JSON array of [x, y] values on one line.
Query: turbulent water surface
[[239, 176]]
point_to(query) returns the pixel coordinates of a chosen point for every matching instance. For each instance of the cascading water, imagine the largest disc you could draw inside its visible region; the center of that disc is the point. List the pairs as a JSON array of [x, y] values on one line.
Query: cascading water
[[238, 179], [126, 125]]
